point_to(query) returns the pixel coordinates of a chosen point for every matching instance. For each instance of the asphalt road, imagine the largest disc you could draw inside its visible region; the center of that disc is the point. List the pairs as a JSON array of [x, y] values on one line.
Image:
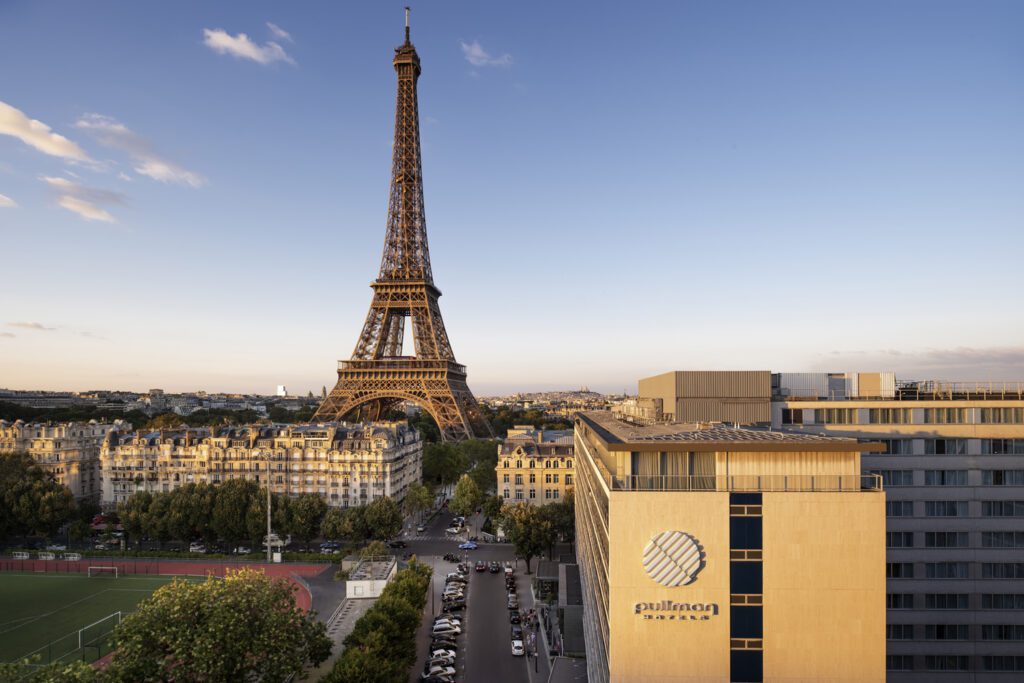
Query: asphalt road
[[485, 652]]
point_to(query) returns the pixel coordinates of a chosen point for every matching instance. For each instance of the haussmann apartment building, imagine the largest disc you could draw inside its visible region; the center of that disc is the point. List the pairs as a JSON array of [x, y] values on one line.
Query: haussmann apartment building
[[535, 466]]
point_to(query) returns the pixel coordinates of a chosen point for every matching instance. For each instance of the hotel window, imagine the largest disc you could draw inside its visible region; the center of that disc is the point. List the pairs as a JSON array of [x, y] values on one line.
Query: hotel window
[[899, 631], [533, 493], [835, 416], [945, 508], [945, 600], [899, 508], [899, 570], [889, 416], [1002, 632], [1002, 508], [899, 601], [504, 479], [897, 446], [1002, 477], [945, 539], [1002, 663], [945, 477], [946, 570], [547, 478], [505, 494], [533, 463], [946, 632], [947, 662], [945, 416], [792, 416], [1002, 539], [1002, 570], [554, 478], [568, 479], [899, 663], [945, 446], [1002, 600], [533, 478], [519, 480], [519, 495], [554, 494], [568, 464], [899, 539], [1002, 416], [1002, 446], [547, 493], [896, 477]]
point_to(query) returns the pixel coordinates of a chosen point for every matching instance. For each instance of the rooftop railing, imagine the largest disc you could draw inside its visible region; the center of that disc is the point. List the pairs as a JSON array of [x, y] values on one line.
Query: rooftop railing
[[751, 482]]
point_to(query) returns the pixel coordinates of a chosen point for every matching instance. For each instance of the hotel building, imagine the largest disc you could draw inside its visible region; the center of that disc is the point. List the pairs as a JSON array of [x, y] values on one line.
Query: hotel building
[[713, 553], [69, 451], [953, 470], [954, 477], [347, 464], [535, 466]]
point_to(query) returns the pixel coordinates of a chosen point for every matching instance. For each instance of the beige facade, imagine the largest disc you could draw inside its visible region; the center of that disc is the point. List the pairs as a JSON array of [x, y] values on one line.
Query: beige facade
[[347, 464], [710, 553], [535, 466], [69, 451], [741, 396]]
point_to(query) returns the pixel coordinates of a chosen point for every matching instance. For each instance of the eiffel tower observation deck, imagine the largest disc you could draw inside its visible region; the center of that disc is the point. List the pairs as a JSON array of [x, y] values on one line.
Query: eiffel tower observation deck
[[379, 376]]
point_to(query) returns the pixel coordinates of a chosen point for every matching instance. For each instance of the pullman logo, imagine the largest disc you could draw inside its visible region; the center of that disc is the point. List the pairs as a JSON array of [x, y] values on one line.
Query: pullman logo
[[674, 558]]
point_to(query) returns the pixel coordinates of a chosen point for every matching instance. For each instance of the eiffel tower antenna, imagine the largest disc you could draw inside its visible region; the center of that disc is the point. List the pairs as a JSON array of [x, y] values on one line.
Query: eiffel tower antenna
[[379, 376]]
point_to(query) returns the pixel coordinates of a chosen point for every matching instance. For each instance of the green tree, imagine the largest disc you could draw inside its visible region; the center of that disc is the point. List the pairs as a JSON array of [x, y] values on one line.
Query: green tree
[[133, 514], [367, 662], [467, 497], [156, 520], [244, 627], [374, 549], [383, 518], [31, 500], [30, 671], [79, 530], [333, 524], [443, 463], [191, 511], [492, 507], [528, 529], [166, 421], [230, 516], [417, 500], [308, 512]]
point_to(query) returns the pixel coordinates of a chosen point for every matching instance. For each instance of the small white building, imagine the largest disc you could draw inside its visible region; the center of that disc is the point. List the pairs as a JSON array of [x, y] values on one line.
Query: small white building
[[368, 578]]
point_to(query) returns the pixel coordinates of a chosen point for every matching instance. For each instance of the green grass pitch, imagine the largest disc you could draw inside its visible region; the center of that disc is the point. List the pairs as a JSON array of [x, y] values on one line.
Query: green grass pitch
[[41, 608]]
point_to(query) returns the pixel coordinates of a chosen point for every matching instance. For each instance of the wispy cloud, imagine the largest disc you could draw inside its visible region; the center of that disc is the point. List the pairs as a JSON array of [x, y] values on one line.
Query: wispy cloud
[[37, 134], [6, 202], [112, 133], [961, 362], [476, 55], [39, 327], [82, 200], [241, 46], [279, 32]]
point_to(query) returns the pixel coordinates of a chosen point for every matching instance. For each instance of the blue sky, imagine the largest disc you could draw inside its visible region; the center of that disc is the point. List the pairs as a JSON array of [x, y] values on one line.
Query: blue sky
[[612, 189]]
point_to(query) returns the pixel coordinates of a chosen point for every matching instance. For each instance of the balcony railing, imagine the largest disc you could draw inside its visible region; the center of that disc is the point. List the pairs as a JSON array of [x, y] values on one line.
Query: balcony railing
[[751, 482]]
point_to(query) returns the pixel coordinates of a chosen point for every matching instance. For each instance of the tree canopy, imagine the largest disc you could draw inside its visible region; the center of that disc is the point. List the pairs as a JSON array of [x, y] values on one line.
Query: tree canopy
[[244, 627], [31, 500]]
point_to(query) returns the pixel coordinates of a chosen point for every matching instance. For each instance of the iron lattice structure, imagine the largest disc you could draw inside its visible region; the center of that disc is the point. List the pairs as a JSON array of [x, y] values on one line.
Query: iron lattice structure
[[378, 376]]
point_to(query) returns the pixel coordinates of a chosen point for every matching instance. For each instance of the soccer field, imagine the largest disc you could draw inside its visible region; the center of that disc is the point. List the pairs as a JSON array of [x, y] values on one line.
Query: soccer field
[[39, 609]]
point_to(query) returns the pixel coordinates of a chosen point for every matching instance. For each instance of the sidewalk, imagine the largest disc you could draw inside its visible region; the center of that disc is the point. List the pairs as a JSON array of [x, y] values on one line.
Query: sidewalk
[[538, 666], [441, 568], [339, 625]]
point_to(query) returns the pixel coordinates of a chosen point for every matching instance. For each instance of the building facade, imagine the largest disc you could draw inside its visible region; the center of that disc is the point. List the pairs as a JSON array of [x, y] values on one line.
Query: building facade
[[954, 478], [535, 466], [69, 451], [347, 464], [711, 553]]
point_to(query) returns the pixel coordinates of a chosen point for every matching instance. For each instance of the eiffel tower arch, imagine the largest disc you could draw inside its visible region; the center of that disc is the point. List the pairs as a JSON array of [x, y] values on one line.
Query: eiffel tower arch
[[379, 376]]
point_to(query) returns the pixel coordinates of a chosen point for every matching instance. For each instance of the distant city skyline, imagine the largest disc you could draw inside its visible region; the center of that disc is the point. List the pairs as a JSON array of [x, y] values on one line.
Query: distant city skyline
[[611, 191]]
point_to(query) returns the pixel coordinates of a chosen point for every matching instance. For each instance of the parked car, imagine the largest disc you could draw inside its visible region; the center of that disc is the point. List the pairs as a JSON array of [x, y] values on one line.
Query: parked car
[[513, 603], [517, 632], [448, 620], [427, 678], [454, 606], [514, 618], [453, 530], [494, 567], [421, 527], [197, 548], [468, 545], [441, 660], [481, 567], [438, 670], [243, 550], [446, 629], [441, 652], [443, 642], [517, 648], [451, 557], [397, 544]]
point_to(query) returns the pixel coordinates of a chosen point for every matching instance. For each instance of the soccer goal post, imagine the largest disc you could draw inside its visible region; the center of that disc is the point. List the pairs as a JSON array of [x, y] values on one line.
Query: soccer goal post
[[98, 630], [93, 571]]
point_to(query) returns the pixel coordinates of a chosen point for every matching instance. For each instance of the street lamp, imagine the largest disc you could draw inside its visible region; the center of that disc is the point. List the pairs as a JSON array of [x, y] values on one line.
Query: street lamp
[[256, 454]]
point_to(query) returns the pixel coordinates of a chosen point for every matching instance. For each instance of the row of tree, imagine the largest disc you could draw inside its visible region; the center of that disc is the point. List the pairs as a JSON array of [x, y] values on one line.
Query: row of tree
[[444, 463], [382, 645], [31, 500], [236, 511], [534, 529], [245, 627]]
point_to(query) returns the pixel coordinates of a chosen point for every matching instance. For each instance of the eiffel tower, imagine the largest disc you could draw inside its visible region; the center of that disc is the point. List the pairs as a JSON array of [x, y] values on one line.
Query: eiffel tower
[[378, 376]]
